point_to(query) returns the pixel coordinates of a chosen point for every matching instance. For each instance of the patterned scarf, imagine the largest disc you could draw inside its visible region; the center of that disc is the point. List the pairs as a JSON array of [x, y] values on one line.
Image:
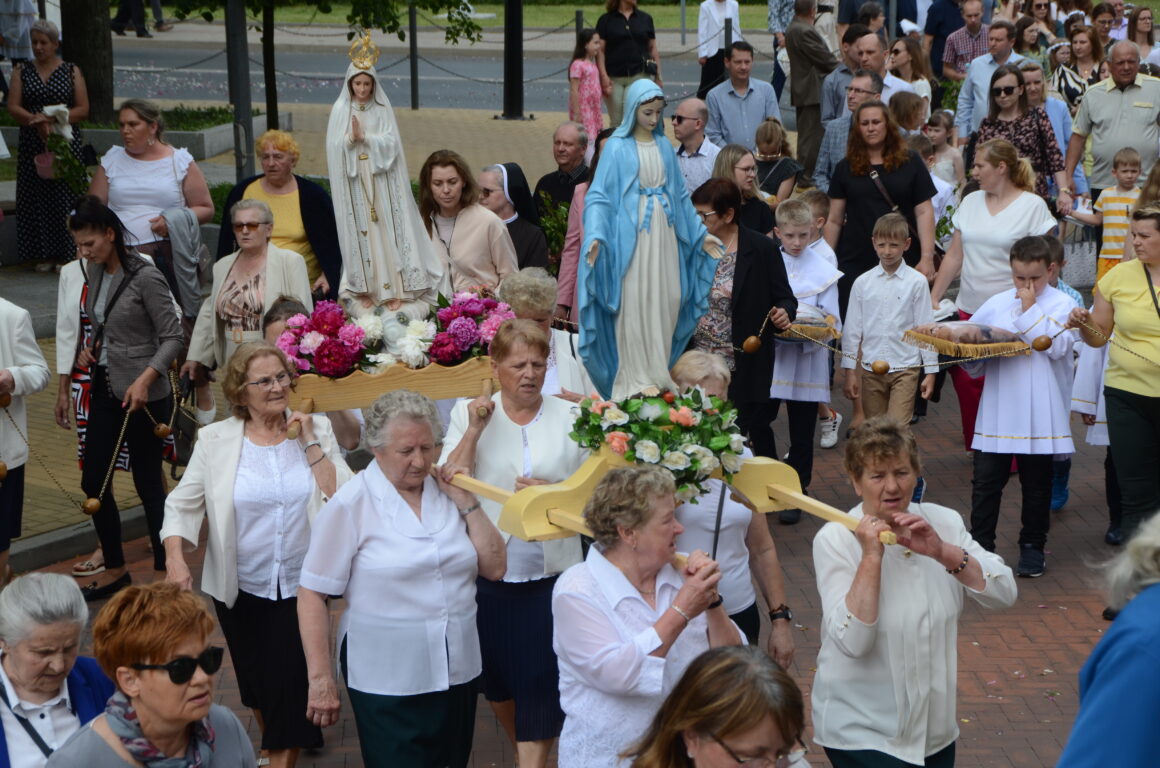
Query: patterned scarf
[[123, 721]]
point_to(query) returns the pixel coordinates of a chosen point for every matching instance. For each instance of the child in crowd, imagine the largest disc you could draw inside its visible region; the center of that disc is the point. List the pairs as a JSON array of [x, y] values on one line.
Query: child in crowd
[[1087, 399], [584, 92], [801, 370], [944, 191], [885, 302], [777, 171], [948, 161], [1023, 411], [908, 109], [1113, 209], [829, 420], [1061, 467]]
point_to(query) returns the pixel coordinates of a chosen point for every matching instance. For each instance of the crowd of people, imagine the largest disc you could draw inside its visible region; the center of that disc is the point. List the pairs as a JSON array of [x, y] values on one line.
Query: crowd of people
[[678, 251]]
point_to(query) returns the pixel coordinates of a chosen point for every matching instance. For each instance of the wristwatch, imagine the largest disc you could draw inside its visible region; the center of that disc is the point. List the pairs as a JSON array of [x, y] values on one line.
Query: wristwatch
[[781, 612]]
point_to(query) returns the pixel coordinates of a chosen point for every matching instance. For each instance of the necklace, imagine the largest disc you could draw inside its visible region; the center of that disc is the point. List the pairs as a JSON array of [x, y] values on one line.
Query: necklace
[[360, 106]]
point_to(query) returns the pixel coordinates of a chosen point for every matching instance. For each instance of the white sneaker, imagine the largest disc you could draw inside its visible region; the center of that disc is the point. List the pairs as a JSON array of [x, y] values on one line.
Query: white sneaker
[[830, 430]]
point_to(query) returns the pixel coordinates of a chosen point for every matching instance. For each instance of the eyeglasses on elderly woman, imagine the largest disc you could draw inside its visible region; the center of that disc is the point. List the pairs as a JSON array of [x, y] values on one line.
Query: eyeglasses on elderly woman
[[182, 668]]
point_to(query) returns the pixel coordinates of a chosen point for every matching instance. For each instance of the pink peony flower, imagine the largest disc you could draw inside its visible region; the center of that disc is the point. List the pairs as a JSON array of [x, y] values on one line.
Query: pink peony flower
[[444, 350], [618, 442], [333, 359], [296, 321], [465, 332], [328, 318], [683, 417], [490, 327], [310, 342], [489, 304], [472, 307], [288, 343], [503, 310], [463, 296], [352, 336], [303, 364], [447, 314]]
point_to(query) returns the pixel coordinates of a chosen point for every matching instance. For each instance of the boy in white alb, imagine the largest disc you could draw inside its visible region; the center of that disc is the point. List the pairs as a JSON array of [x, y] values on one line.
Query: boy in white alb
[[885, 302], [801, 369], [829, 420], [1024, 409]]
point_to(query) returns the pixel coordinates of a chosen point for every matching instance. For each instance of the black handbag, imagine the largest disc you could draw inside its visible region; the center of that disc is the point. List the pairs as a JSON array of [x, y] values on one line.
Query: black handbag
[[185, 424]]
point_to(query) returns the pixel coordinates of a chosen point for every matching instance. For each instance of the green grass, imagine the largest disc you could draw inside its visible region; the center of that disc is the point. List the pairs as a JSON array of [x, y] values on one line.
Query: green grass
[[666, 16]]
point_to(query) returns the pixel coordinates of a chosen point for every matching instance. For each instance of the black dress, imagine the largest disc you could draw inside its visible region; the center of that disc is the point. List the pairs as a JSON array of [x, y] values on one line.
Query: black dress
[[756, 215], [530, 243], [43, 204]]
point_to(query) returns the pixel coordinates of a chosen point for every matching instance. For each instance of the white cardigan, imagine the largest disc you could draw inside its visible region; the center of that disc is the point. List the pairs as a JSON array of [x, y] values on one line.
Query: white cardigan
[[20, 355], [207, 488]]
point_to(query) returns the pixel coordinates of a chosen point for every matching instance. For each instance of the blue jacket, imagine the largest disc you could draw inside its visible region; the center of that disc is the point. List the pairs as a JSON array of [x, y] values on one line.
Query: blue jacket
[[88, 689], [610, 217]]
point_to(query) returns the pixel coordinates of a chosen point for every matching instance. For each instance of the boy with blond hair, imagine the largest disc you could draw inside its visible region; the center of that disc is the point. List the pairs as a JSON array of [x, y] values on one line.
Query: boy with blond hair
[[1113, 209]]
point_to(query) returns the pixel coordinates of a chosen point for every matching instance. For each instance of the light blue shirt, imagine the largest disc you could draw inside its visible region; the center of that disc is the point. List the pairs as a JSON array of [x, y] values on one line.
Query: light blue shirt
[[973, 97], [832, 150], [697, 166], [733, 119], [1060, 117]]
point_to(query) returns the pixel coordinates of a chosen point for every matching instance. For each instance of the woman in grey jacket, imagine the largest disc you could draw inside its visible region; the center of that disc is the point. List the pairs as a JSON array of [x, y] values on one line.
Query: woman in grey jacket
[[136, 337]]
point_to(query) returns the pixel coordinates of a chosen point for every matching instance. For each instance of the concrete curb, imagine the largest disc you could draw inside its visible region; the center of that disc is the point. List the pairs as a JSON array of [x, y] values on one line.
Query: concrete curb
[[48, 548]]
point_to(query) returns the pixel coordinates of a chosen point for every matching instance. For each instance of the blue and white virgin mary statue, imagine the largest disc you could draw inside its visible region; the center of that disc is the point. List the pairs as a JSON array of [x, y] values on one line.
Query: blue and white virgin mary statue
[[644, 282]]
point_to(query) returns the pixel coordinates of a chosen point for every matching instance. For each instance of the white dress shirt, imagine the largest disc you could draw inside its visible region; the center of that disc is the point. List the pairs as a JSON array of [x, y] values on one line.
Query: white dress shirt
[[21, 356], [610, 687], [711, 25], [271, 492], [892, 84], [882, 307], [408, 582], [890, 686], [54, 720]]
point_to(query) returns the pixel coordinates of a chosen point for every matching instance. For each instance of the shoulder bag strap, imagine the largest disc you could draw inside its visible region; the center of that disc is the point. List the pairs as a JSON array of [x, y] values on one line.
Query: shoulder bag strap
[[1151, 288], [27, 726], [99, 332], [890, 201]]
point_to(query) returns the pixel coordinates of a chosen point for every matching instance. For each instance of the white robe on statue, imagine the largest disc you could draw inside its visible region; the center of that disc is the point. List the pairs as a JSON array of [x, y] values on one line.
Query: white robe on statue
[[652, 291], [386, 253], [801, 369]]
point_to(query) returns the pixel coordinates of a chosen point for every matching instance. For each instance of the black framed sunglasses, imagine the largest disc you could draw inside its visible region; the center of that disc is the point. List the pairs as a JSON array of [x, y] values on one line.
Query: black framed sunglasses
[[1005, 90], [181, 669]]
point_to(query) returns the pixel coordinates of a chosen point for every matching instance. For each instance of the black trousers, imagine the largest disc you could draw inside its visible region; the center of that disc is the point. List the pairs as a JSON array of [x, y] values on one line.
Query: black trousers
[[1112, 492], [130, 12], [754, 418], [803, 419], [1134, 430], [868, 758], [992, 471], [712, 73], [105, 418]]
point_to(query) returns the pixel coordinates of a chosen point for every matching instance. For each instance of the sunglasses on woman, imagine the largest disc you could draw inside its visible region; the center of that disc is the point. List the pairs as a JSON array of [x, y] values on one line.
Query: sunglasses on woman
[[248, 226], [181, 670], [1005, 90]]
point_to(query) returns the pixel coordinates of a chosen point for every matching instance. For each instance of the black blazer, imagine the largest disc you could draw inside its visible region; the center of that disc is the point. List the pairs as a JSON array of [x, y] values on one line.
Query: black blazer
[[759, 285], [317, 211]]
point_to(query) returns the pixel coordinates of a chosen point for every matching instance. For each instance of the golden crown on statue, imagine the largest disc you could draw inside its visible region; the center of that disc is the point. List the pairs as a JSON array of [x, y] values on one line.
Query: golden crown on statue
[[363, 53]]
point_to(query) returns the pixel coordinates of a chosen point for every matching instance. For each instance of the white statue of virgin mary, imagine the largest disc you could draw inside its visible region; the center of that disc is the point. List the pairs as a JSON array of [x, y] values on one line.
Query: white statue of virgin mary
[[387, 256]]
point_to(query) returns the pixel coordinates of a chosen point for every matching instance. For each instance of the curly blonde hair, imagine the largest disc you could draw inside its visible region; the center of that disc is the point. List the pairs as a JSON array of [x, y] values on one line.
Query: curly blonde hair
[[624, 499], [237, 369], [877, 440]]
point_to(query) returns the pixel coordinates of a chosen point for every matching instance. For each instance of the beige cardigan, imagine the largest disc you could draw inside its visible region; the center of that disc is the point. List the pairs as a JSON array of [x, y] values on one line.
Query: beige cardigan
[[285, 276], [207, 490], [481, 252]]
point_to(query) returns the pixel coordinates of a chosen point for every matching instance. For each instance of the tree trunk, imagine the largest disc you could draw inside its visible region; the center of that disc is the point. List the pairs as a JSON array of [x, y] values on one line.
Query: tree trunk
[[87, 42], [268, 73]]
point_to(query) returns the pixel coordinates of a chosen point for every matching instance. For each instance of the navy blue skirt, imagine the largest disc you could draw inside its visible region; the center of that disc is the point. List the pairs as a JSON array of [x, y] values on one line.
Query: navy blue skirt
[[515, 642]]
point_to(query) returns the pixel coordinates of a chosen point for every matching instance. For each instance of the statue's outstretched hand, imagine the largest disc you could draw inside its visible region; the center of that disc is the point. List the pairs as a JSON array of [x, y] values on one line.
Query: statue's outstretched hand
[[714, 247], [593, 252]]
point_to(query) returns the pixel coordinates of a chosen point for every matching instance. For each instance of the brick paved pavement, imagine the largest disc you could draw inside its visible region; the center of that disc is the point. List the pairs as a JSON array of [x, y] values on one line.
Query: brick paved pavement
[[1017, 674]]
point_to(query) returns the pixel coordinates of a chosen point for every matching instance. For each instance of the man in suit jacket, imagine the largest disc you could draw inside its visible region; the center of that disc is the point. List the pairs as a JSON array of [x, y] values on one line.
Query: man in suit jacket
[[810, 60]]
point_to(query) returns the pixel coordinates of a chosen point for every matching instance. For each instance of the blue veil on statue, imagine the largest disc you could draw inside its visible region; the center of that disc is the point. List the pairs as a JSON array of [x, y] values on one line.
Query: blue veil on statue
[[649, 285]]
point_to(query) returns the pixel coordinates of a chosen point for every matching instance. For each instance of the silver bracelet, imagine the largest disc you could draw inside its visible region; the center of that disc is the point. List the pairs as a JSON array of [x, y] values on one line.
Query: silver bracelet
[[312, 443], [683, 615], [469, 510]]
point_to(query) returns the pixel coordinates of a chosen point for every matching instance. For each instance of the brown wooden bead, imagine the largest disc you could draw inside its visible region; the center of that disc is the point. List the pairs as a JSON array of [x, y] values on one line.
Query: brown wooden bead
[[751, 345], [880, 367], [1041, 343], [5, 400], [3, 471], [162, 431], [91, 506]]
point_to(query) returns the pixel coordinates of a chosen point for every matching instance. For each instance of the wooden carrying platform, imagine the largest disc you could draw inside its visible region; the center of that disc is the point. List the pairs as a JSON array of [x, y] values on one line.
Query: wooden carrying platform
[[317, 394]]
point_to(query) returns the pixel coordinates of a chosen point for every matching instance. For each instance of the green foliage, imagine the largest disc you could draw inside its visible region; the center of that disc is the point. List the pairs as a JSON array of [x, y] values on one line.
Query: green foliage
[[387, 15], [65, 166], [950, 94], [554, 222], [944, 227]]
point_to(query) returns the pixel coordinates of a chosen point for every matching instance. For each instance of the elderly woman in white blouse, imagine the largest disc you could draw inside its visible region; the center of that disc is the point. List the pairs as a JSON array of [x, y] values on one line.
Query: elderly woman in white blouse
[[531, 293], [884, 694], [259, 490], [627, 621], [515, 438], [403, 547]]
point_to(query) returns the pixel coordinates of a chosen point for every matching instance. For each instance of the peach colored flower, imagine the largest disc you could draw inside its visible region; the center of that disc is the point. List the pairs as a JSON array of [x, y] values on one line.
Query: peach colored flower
[[684, 417], [598, 406], [618, 442]]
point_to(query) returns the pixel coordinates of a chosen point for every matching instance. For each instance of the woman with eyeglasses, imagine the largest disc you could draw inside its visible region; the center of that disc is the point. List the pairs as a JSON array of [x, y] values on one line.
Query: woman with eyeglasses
[[1103, 19], [1042, 14], [244, 283], [258, 491], [1073, 78], [1030, 42], [1029, 130], [737, 164], [153, 642], [733, 706], [1140, 30]]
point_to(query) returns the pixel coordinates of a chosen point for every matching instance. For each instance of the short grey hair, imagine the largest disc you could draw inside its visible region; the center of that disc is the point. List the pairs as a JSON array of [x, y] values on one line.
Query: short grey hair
[[696, 366], [1136, 568], [530, 291], [250, 203], [1127, 45], [400, 404], [46, 28], [579, 130], [40, 599]]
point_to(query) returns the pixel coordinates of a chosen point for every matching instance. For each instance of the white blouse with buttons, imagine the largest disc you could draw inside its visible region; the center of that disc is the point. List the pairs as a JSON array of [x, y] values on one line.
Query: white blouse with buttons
[[890, 686]]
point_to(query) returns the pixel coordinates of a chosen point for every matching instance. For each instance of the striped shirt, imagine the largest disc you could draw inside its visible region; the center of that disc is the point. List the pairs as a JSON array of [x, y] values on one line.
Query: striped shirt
[[1116, 206]]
